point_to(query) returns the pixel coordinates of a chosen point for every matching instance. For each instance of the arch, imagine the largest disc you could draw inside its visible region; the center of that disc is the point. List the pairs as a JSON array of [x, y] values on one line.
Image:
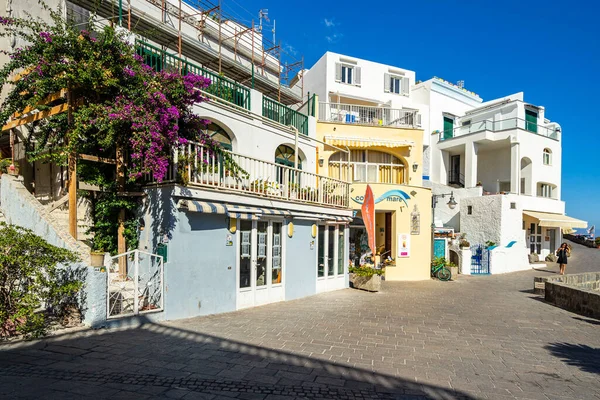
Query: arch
[[547, 156], [367, 165], [454, 257], [284, 155], [526, 176], [221, 133]]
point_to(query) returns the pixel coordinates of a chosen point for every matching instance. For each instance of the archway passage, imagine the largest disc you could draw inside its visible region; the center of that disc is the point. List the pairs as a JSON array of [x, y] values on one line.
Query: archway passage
[[526, 176]]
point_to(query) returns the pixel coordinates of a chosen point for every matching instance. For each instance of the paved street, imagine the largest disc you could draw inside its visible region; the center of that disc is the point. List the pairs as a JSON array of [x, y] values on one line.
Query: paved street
[[476, 338]]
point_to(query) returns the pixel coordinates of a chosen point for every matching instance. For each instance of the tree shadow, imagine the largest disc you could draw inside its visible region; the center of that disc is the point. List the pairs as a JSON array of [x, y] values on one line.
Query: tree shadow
[[158, 358], [584, 357]]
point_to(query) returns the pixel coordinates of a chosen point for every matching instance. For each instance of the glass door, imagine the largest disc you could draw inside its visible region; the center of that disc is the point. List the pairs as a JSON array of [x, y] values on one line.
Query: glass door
[[321, 260], [260, 266]]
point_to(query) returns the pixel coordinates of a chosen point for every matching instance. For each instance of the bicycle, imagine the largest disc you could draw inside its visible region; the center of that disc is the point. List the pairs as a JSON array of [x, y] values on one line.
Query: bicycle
[[439, 270]]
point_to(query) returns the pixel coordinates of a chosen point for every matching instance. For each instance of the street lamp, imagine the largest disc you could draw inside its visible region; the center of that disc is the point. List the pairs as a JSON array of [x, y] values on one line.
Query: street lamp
[[451, 205]]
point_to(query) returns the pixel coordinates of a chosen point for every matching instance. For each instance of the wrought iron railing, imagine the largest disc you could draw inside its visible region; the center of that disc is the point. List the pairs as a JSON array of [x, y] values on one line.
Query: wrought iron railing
[[196, 166], [496, 126], [221, 87], [285, 115], [367, 115]]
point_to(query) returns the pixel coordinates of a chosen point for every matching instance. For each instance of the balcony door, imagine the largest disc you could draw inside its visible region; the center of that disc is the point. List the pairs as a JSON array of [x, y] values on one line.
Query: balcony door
[[260, 271]]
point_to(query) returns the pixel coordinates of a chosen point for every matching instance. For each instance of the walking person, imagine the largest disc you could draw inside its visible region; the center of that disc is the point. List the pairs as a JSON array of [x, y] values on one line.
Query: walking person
[[562, 253]]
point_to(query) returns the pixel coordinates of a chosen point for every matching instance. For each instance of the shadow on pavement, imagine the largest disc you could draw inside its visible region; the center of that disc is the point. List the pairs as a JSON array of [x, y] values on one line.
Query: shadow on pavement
[[589, 320], [584, 357], [156, 361]]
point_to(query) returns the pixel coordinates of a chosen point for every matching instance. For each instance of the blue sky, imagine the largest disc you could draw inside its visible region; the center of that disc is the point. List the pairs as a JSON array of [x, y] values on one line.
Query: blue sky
[[548, 49]]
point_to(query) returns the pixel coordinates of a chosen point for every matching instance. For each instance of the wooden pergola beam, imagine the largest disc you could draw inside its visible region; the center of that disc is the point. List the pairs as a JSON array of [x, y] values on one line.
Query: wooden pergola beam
[[36, 117]]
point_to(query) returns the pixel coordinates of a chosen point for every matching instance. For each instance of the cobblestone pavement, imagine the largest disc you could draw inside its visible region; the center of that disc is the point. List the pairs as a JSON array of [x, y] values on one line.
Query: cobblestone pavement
[[475, 338]]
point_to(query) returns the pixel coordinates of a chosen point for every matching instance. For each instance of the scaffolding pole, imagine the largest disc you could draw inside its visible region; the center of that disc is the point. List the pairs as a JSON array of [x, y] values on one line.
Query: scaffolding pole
[[220, 23]]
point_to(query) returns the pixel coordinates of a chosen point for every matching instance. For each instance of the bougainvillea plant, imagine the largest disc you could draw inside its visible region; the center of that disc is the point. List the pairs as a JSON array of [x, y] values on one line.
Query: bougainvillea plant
[[118, 103]]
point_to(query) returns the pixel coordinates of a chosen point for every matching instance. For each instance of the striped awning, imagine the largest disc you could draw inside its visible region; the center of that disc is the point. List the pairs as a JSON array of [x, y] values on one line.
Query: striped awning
[[240, 212], [358, 142], [343, 219], [232, 211], [202, 206]]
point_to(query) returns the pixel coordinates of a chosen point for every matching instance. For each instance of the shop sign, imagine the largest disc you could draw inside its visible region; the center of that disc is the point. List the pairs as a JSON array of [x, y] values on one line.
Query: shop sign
[[394, 196]]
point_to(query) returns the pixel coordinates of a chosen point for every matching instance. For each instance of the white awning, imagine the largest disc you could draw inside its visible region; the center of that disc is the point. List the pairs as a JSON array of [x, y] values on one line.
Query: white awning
[[556, 220], [358, 142]]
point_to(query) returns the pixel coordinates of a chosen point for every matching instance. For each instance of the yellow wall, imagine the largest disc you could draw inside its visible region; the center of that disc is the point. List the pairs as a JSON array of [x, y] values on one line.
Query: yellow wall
[[408, 154], [417, 265]]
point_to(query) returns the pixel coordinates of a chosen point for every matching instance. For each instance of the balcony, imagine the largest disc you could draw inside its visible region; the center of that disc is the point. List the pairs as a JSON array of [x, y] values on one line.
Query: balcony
[[498, 126], [284, 115], [195, 166], [367, 115], [220, 87]]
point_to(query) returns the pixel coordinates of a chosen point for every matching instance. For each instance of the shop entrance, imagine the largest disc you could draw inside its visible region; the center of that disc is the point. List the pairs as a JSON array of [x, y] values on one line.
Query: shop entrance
[[331, 262], [260, 267]]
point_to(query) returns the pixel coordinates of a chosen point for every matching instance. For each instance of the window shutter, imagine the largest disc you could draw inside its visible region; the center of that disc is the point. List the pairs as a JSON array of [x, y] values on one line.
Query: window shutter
[[357, 75], [386, 82], [405, 86], [418, 119], [338, 72]]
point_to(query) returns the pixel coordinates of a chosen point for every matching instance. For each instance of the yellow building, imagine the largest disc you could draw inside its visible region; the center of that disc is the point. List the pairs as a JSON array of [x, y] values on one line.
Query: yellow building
[[389, 159]]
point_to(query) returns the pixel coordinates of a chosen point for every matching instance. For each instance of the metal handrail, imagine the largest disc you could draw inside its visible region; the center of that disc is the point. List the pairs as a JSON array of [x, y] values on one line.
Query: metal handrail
[[199, 167], [497, 126], [221, 86], [284, 115], [368, 115]]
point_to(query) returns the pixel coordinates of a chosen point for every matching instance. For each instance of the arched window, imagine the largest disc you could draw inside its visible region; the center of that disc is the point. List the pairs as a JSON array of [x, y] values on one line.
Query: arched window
[[547, 157], [370, 166], [219, 134], [284, 155]]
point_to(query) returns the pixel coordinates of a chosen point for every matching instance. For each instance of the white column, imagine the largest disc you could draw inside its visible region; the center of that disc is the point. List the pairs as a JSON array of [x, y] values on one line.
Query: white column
[[444, 167], [515, 168], [465, 264], [470, 165], [256, 99]]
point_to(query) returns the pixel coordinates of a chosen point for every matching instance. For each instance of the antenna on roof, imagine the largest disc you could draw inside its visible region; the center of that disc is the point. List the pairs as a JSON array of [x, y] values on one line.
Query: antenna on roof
[[263, 13], [460, 84]]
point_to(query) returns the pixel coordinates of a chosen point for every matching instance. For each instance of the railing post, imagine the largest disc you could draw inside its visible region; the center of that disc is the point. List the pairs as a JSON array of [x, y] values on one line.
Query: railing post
[[136, 269]]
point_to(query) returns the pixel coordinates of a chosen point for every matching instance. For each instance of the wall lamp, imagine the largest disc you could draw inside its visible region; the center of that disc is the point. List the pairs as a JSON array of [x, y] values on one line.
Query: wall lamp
[[415, 167]]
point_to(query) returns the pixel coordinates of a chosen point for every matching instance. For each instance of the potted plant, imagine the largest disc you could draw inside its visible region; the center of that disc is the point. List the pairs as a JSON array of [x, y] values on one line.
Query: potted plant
[[463, 242], [453, 269], [365, 278], [97, 258]]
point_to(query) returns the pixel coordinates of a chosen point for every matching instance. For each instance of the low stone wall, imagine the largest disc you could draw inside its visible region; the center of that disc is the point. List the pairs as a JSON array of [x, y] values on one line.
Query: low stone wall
[[586, 280], [584, 242], [573, 298]]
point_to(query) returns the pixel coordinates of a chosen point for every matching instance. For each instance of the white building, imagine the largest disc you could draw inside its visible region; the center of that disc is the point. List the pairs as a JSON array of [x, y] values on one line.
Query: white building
[[502, 161]]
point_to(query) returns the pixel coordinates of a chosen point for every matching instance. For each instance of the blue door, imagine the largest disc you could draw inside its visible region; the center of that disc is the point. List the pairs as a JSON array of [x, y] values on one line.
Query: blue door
[[439, 248]]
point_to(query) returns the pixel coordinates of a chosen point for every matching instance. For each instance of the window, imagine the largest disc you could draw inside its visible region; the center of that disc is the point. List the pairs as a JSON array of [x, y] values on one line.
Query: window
[[347, 73], [504, 187], [219, 135], [531, 121], [396, 84], [470, 210], [513, 206], [547, 157], [368, 166], [284, 155]]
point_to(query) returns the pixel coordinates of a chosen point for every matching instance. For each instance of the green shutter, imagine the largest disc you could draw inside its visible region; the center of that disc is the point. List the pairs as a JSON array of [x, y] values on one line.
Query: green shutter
[[448, 128], [531, 121]]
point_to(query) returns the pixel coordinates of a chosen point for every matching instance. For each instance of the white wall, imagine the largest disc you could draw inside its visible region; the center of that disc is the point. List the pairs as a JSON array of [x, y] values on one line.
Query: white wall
[[443, 214], [258, 137], [493, 166]]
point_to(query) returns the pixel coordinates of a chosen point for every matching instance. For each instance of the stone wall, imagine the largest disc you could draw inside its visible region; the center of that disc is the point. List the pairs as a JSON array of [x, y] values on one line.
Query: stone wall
[[573, 298]]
